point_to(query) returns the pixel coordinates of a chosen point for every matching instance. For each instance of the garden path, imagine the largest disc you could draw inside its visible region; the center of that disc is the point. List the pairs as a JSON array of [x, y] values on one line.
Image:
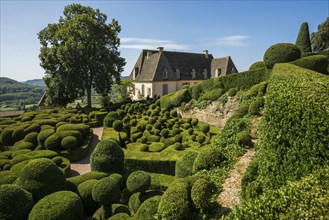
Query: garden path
[[83, 166], [230, 196]]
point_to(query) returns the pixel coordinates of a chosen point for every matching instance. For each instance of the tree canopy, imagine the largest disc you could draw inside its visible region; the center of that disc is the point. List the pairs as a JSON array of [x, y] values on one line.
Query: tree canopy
[[79, 53], [320, 39]]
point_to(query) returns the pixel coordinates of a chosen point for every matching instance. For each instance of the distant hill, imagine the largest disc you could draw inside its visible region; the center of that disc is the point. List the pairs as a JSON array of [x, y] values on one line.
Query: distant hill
[[15, 93], [35, 82], [124, 77]]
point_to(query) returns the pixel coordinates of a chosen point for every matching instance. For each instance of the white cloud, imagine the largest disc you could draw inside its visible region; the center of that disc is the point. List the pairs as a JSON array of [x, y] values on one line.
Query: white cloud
[[147, 43], [233, 41]]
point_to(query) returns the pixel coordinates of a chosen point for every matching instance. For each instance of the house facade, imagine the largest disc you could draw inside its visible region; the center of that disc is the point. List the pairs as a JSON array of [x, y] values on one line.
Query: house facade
[[159, 72]]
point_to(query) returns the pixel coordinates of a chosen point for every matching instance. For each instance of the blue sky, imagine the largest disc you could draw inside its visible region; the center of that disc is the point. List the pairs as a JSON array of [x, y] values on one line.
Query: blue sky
[[240, 29]]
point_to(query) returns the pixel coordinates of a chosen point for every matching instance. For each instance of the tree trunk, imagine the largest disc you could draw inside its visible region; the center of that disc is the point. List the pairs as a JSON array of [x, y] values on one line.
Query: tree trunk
[[89, 96]]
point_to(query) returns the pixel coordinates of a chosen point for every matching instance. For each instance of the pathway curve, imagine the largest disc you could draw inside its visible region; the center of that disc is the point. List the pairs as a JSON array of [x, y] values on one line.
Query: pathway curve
[[230, 196], [83, 166]]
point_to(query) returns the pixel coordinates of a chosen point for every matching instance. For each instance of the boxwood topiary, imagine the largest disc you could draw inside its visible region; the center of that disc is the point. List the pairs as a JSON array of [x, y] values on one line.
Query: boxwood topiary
[[62, 205], [148, 209], [205, 128], [18, 134], [32, 128], [178, 146], [165, 133], [53, 142], [15, 202], [281, 53], [32, 138], [73, 133], [107, 157], [117, 125], [119, 216], [144, 148], [118, 177], [208, 159], [85, 193], [138, 181], [201, 193], [6, 137], [69, 143], [110, 118], [257, 65], [194, 122], [7, 177], [43, 135], [82, 128], [41, 177], [318, 63]]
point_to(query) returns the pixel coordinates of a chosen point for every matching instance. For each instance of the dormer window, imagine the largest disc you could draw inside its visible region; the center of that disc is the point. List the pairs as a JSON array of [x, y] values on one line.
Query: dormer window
[[193, 73], [205, 73], [165, 74], [136, 71], [177, 73], [218, 72]]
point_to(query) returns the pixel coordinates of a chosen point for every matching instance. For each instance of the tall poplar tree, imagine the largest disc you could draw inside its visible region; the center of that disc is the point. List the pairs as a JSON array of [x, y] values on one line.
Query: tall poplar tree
[[79, 53]]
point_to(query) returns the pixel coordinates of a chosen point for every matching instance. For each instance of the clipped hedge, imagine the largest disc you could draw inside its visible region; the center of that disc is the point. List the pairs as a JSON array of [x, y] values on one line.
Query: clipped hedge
[[138, 181], [318, 63], [85, 193], [175, 99], [148, 209], [184, 166], [257, 65], [208, 159], [281, 53]]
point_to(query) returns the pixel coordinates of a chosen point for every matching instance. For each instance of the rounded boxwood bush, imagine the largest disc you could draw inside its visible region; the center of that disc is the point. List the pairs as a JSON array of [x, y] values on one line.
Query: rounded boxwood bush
[[69, 143], [318, 63], [73, 133], [41, 177], [243, 139], [143, 140], [110, 118], [117, 125], [15, 202], [138, 181], [173, 113], [32, 128], [82, 128], [232, 91], [18, 134], [281, 53], [118, 177], [107, 157], [165, 133], [119, 216], [178, 138], [85, 193], [32, 138], [23, 145], [190, 131], [148, 209], [53, 142], [208, 159], [133, 122], [205, 128], [144, 148], [43, 135], [62, 205], [194, 122], [257, 65], [201, 193], [6, 137], [178, 146], [201, 139], [184, 166]]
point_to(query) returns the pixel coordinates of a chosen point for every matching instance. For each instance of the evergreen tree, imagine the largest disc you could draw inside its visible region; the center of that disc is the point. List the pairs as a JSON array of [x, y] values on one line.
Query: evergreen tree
[[320, 39], [303, 40]]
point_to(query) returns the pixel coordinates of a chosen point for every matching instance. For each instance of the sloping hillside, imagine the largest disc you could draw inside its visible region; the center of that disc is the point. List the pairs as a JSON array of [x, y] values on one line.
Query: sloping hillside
[[36, 82], [14, 93]]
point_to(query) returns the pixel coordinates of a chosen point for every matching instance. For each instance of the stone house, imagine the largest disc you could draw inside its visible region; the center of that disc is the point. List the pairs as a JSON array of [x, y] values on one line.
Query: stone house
[[159, 72]]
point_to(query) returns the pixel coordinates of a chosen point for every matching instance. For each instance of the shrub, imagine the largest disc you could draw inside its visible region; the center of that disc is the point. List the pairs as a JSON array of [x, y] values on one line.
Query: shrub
[[208, 159], [148, 208], [281, 53], [194, 122], [6, 137], [110, 118], [190, 131], [133, 122], [212, 95], [201, 139], [165, 133], [32, 128], [106, 192], [85, 193], [53, 142], [201, 193], [175, 99], [120, 216], [318, 63], [178, 146], [119, 178], [107, 157], [257, 65], [303, 40], [43, 135], [254, 108], [62, 205], [82, 128], [32, 138], [174, 204], [18, 134], [69, 143], [7, 122], [135, 137], [138, 181], [23, 145], [144, 148], [117, 125], [232, 91], [74, 182], [41, 177], [241, 111], [73, 133], [15, 202], [195, 91], [205, 128]]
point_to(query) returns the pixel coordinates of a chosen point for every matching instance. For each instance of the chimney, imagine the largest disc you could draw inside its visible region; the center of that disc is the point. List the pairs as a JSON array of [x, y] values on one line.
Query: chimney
[[205, 52], [160, 49]]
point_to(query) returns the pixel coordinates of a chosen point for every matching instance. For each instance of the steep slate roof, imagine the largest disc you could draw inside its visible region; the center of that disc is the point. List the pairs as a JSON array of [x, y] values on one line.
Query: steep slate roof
[[225, 64], [152, 63]]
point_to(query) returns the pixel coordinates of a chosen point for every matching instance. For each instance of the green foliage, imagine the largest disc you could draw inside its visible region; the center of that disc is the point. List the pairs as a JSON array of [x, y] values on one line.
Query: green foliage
[[138, 181], [73, 133], [32, 138], [208, 159], [303, 40], [89, 36], [62, 205], [85, 193], [6, 136], [293, 136], [212, 95], [201, 193], [7, 177], [243, 139], [175, 99], [118, 125], [110, 118], [120, 216], [281, 53], [15, 202], [320, 39], [32, 128], [106, 191], [205, 128], [184, 166], [148, 209], [144, 148], [318, 63], [232, 91], [74, 182], [257, 65], [53, 142], [175, 203], [18, 134], [124, 90], [43, 135], [82, 128], [107, 157], [69, 143], [195, 91]]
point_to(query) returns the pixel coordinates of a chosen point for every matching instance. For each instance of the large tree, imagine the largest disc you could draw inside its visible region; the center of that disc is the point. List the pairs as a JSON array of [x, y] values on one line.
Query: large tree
[[320, 39], [79, 53]]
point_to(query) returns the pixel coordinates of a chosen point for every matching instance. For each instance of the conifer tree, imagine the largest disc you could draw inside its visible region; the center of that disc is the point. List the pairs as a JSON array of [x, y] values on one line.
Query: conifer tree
[[303, 40]]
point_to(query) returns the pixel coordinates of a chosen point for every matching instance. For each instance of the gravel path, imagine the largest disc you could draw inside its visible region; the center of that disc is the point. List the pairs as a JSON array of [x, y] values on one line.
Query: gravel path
[[83, 166], [230, 196]]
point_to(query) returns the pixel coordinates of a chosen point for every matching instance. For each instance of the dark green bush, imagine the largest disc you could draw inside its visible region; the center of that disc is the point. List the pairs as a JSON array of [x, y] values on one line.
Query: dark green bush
[[201, 139], [135, 137], [232, 91], [118, 177], [62, 205], [74, 182], [257, 65], [41, 177], [117, 125], [85, 193], [82, 128], [148, 208], [175, 99], [7, 177], [184, 166], [205, 128], [165, 133], [18, 134], [194, 122], [212, 95], [254, 108], [32, 128], [43, 135], [138, 181], [208, 159], [281, 53], [69, 143], [190, 131], [243, 139], [201, 193], [73, 133], [195, 91], [178, 146], [7, 122], [120, 216], [153, 138], [318, 63], [175, 202], [303, 40], [15, 202], [110, 118], [32, 138], [144, 148], [6, 137], [133, 122], [53, 142], [107, 157]]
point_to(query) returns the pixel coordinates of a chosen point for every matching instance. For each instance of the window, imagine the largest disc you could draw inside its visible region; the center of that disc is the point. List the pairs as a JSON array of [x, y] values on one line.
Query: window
[[136, 71], [218, 72], [164, 89], [165, 74], [143, 90]]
